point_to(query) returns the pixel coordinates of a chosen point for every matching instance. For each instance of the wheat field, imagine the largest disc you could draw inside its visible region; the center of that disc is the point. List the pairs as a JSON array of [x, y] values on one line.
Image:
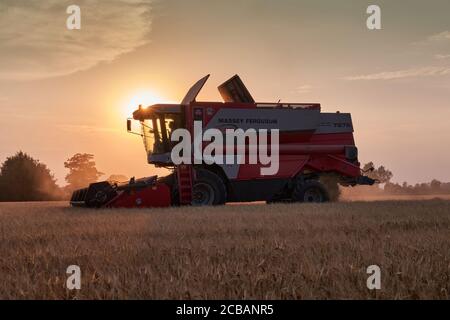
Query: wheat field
[[251, 251]]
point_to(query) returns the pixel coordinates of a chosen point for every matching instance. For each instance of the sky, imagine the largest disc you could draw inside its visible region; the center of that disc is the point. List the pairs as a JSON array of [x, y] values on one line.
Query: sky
[[67, 91]]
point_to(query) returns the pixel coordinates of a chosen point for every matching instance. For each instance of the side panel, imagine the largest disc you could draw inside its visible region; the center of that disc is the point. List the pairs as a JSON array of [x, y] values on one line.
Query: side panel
[[255, 190], [285, 120], [309, 139], [333, 138], [289, 165], [333, 163], [155, 196]]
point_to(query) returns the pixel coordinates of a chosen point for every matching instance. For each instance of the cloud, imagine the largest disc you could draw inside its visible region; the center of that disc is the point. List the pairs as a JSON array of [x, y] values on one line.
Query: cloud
[[443, 36], [442, 56], [430, 44], [35, 43], [303, 89], [400, 74], [437, 39]]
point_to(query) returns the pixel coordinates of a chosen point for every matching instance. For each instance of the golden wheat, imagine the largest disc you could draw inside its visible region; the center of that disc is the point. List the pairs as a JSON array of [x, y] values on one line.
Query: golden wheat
[[255, 251]]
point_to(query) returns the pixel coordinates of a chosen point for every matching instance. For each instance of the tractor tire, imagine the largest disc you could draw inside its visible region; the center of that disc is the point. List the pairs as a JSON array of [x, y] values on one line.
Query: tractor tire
[[208, 189], [310, 191]]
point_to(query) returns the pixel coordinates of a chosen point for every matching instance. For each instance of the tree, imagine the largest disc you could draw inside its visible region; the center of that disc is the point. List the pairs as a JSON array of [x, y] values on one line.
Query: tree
[[381, 174], [82, 171], [23, 178], [435, 186]]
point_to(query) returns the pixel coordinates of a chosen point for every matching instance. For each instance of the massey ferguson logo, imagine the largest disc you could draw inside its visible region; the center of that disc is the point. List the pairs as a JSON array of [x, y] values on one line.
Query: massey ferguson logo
[[246, 120]]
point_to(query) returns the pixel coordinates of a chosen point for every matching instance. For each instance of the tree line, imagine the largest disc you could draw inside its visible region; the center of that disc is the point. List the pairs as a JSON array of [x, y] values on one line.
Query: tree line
[[23, 178], [384, 177]]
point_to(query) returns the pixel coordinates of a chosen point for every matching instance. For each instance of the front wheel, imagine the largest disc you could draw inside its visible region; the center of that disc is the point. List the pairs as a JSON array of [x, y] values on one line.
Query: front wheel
[[208, 189], [310, 191]]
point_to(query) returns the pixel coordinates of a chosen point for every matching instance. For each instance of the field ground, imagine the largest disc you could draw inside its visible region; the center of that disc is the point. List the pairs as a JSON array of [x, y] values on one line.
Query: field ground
[[255, 251], [383, 197]]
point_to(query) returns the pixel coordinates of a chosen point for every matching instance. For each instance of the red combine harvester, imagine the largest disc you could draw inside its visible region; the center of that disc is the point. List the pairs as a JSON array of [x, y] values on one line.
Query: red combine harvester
[[314, 148]]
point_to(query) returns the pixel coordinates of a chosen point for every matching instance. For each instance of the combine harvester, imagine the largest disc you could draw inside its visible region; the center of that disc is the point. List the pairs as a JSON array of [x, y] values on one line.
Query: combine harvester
[[313, 145]]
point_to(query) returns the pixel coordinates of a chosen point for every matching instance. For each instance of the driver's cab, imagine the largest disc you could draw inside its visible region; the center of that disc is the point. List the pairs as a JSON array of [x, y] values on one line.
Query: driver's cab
[[159, 121], [157, 124]]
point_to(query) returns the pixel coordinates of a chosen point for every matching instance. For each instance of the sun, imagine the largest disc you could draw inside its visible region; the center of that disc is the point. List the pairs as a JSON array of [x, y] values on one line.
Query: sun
[[145, 98]]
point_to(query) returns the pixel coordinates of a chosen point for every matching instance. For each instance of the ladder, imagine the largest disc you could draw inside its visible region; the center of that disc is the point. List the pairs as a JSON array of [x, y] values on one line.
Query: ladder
[[185, 177]]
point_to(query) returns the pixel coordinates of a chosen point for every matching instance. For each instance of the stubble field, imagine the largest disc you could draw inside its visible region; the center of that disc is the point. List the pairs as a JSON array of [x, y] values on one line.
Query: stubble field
[[251, 251]]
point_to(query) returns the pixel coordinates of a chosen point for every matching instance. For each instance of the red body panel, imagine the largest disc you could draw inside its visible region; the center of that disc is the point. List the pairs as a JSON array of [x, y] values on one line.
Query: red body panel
[[331, 163], [299, 150], [289, 166], [154, 196]]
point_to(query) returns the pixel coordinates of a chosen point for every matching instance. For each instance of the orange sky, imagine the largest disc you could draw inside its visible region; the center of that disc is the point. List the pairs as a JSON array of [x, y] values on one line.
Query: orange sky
[[63, 92]]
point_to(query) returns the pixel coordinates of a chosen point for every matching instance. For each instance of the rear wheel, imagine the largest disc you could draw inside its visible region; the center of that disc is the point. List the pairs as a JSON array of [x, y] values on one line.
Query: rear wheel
[[310, 191], [208, 189]]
